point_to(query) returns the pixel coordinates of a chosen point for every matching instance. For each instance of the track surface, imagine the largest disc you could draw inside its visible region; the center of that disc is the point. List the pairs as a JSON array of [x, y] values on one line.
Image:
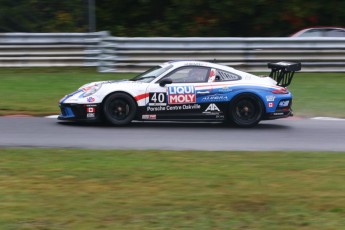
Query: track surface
[[285, 134]]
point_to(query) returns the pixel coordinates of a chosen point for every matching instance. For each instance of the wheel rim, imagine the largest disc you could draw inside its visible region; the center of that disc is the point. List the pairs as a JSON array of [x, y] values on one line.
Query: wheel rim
[[246, 111], [119, 109]]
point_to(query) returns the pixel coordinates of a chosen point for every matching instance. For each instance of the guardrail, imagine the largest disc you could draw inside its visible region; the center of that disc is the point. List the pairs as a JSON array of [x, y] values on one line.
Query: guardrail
[[49, 49], [121, 54], [124, 54]]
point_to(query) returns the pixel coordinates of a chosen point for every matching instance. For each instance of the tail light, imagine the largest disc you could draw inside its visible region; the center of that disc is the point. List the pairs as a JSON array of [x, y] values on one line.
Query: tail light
[[280, 91]]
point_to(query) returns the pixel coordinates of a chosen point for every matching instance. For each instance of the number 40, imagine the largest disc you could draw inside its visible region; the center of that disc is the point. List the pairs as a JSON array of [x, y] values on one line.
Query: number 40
[[158, 97]]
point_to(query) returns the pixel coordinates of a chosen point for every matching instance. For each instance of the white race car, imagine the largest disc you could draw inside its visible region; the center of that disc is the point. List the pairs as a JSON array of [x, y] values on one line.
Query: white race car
[[188, 91]]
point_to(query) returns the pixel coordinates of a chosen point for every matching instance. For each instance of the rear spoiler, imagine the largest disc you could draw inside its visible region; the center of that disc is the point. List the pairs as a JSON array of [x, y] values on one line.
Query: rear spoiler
[[282, 72]]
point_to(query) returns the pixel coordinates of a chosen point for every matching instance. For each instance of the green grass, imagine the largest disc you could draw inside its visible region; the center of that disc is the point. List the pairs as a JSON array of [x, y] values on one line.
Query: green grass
[[319, 94], [37, 91], [92, 189]]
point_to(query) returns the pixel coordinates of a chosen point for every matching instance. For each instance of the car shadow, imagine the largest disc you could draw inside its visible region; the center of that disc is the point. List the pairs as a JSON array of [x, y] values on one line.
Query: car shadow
[[174, 125]]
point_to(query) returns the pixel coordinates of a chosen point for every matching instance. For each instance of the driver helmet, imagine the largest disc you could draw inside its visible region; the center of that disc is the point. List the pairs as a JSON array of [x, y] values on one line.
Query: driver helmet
[[197, 75]]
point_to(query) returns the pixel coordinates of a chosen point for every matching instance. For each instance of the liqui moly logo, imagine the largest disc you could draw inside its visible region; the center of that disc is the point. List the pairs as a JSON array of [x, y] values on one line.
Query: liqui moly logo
[[181, 95]]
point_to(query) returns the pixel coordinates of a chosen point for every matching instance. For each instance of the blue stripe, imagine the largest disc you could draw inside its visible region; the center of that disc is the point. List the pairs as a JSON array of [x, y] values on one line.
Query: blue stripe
[[70, 95]]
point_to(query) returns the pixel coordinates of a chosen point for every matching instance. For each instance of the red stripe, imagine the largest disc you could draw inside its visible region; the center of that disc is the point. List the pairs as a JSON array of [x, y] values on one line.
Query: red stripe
[[214, 85], [141, 96], [237, 84]]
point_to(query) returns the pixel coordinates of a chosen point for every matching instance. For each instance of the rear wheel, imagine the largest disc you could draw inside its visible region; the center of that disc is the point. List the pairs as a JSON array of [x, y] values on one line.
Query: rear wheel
[[245, 110], [119, 109]]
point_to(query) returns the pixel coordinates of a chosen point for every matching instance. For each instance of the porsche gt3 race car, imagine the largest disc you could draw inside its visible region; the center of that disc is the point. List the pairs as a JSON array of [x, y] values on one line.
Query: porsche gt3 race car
[[186, 91]]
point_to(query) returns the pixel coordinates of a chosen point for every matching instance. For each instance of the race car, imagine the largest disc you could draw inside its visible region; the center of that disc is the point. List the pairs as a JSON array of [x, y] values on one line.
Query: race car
[[186, 91]]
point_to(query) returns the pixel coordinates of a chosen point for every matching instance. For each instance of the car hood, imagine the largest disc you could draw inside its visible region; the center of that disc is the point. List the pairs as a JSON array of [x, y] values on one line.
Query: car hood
[[104, 82]]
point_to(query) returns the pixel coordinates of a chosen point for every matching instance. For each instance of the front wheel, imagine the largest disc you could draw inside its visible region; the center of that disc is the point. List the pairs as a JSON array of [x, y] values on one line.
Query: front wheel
[[119, 109], [245, 110]]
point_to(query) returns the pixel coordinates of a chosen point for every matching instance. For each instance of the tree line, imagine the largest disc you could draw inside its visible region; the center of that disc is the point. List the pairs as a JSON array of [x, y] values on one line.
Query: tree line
[[172, 18]]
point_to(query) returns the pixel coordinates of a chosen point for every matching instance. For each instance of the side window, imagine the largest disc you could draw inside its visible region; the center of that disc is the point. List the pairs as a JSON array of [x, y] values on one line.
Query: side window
[[190, 74], [226, 76], [335, 33], [311, 33]]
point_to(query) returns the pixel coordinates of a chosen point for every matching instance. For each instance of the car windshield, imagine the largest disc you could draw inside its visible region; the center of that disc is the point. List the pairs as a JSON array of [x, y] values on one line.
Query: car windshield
[[151, 74], [321, 32]]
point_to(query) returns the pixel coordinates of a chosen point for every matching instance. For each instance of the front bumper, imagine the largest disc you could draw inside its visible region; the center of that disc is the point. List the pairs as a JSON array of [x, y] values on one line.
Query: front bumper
[[87, 112]]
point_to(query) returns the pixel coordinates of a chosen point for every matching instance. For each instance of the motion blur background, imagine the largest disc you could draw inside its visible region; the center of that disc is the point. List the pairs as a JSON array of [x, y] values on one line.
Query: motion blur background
[[222, 18], [60, 188]]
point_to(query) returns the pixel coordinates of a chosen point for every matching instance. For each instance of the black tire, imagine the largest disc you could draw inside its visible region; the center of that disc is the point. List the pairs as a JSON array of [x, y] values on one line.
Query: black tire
[[119, 109], [245, 110]]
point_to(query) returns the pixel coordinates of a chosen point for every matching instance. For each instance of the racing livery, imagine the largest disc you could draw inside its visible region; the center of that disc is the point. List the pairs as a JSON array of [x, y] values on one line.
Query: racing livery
[[186, 90]]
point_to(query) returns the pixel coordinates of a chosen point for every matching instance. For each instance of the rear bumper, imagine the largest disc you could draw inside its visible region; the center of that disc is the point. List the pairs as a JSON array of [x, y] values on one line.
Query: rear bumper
[[87, 112], [279, 114]]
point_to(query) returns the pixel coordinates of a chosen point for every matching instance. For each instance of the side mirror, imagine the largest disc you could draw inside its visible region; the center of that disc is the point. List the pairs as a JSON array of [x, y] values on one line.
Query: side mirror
[[165, 81]]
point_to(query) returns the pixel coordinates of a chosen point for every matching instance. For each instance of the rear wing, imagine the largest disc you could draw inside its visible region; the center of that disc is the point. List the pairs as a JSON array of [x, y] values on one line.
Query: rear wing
[[282, 72]]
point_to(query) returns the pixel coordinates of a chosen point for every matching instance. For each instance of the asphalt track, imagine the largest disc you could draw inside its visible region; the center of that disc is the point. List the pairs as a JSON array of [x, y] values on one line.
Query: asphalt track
[[284, 134]]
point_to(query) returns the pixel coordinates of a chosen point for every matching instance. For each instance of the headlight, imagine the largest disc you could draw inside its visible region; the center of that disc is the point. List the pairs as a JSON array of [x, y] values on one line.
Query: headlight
[[89, 90]]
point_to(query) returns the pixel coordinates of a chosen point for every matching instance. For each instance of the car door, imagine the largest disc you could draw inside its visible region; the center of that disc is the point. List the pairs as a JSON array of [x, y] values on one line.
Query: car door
[[177, 97]]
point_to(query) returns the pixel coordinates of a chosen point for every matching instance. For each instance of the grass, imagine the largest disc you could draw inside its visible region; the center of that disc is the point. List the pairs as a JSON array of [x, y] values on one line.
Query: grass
[[319, 94], [90, 189], [36, 91]]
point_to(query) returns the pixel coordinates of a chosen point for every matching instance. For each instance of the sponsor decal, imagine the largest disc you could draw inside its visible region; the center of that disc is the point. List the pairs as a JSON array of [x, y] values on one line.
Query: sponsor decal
[[212, 76], [212, 108], [284, 103], [157, 99], [90, 99], [203, 92], [270, 98], [90, 109], [215, 98], [193, 63], [153, 116], [90, 115], [158, 108], [149, 117], [173, 107], [181, 95], [191, 107], [271, 104], [278, 114], [224, 90]]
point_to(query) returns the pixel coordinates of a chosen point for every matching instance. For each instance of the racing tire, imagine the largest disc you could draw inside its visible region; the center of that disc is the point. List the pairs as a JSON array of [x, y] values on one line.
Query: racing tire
[[246, 110], [119, 109]]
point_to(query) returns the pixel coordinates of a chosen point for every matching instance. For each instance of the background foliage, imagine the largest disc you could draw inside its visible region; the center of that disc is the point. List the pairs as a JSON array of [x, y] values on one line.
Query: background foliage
[[172, 17]]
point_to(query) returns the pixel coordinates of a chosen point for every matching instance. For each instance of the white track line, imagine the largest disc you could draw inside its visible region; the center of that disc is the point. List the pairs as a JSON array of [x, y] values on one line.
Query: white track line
[[328, 118], [52, 116]]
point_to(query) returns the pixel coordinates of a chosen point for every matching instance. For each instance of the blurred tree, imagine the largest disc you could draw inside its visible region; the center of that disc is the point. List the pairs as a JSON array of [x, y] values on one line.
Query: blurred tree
[[15, 16], [210, 18], [43, 16], [172, 17]]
